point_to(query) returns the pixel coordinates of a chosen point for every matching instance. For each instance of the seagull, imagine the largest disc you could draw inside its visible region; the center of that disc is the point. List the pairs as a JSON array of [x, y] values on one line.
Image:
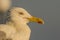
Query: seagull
[[19, 19], [16, 28]]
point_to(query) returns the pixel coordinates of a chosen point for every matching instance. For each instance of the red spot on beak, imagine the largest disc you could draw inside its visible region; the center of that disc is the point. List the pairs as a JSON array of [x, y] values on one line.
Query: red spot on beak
[[40, 22]]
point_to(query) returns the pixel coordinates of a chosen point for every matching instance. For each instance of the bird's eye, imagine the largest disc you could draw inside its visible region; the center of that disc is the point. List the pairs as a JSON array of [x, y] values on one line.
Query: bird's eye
[[21, 13]]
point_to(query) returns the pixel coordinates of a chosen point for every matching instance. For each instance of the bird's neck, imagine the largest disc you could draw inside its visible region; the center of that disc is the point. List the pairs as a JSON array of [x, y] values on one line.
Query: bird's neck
[[19, 26]]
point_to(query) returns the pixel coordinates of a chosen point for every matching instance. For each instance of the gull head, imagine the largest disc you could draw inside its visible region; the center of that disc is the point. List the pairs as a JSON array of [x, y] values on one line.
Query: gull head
[[23, 16]]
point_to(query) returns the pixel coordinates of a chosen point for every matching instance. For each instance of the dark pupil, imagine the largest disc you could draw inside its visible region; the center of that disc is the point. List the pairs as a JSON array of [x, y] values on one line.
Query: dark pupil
[[21, 13]]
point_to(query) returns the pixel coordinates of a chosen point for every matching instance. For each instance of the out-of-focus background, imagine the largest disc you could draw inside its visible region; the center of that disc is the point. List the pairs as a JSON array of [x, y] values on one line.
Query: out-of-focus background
[[49, 10]]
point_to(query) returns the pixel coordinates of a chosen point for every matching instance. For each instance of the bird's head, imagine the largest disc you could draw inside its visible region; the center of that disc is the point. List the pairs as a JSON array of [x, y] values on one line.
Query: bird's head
[[24, 16], [4, 5]]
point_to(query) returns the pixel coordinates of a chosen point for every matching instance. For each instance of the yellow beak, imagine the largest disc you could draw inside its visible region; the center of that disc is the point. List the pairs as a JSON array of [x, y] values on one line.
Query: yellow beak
[[35, 19]]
